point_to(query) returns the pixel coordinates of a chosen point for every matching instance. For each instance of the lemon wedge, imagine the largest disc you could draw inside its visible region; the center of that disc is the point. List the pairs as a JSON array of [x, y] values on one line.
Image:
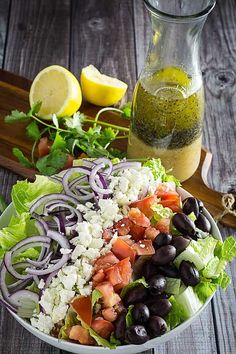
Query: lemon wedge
[[58, 90], [99, 89]]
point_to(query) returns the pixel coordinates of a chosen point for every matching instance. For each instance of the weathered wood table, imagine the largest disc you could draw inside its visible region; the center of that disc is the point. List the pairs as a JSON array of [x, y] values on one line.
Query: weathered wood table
[[113, 35]]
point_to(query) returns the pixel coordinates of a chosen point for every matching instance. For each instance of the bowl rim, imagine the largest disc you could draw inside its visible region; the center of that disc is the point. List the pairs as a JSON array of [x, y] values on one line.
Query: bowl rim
[[8, 212]]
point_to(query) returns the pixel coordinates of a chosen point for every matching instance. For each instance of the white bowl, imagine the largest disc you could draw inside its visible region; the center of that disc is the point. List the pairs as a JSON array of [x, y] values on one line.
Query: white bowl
[[124, 349]]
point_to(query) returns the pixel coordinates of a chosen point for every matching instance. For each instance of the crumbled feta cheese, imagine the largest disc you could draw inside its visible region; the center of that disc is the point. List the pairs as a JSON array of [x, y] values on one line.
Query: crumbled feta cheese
[[43, 322], [41, 284], [65, 251]]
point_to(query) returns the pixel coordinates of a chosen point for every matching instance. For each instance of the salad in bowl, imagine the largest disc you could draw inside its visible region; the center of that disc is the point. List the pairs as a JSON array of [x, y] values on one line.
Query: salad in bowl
[[109, 254]]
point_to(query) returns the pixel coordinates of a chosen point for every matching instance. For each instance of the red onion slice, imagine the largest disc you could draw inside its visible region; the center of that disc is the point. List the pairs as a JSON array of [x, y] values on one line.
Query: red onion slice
[[57, 197], [124, 165], [42, 263], [93, 183]]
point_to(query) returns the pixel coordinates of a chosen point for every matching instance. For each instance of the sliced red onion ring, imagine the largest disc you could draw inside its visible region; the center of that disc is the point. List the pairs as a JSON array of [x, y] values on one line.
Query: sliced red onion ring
[[49, 278], [4, 290], [57, 197], [42, 263], [124, 165], [28, 240], [73, 210], [18, 285], [7, 305], [41, 225], [65, 181], [93, 183], [108, 170]]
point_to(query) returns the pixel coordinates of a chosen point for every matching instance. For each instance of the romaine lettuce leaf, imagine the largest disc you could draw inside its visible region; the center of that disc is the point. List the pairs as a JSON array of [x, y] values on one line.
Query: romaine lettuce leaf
[[70, 320], [19, 228], [96, 295], [205, 289], [172, 286], [226, 250], [189, 302], [129, 318], [133, 285], [176, 315], [214, 268], [161, 212], [159, 172], [24, 193]]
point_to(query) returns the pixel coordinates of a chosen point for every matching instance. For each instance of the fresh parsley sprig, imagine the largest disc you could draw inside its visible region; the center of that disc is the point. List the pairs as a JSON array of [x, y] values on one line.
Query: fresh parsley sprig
[[68, 137]]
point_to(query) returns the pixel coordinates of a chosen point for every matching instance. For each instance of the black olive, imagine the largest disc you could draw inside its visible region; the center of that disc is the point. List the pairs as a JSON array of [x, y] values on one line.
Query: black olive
[[164, 255], [200, 205], [183, 224], [157, 326], [157, 285], [160, 308], [162, 239], [189, 273], [155, 298], [120, 326], [149, 270], [203, 223], [136, 334], [137, 294], [140, 313], [190, 205], [169, 271], [180, 243]]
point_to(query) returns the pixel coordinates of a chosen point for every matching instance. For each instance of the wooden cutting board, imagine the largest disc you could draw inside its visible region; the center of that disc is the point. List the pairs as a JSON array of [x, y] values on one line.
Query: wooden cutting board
[[14, 92]]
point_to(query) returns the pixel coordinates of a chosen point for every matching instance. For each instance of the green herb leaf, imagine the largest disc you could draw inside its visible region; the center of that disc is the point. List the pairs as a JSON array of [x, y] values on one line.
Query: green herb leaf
[[52, 163], [96, 295], [59, 143], [16, 116], [55, 121], [127, 111], [22, 158], [33, 130], [34, 109], [3, 204]]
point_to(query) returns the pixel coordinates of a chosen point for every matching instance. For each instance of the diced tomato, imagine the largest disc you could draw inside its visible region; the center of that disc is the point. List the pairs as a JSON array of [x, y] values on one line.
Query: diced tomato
[[44, 147], [81, 334], [144, 248], [107, 235], [137, 232], [103, 328], [98, 277], [169, 196], [122, 250], [138, 217], [109, 297], [151, 233], [69, 162], [164, 188], [105, 262], [122, 226], [144, 205], [172, 203], [109, 314], [83, 307], [163, 225], [120, 274]]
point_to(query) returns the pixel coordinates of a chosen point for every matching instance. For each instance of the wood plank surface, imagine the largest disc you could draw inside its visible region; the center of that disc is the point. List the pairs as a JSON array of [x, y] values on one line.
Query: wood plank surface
[[110, 35]]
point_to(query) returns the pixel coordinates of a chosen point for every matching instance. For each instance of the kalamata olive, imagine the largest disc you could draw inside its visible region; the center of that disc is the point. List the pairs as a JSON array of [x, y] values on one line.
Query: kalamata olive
[[157, 326], [160, 308], [120, 326], [149, 270], [162, 239], [190, 205], [155, 298], [157, 284], [183, 224], [137, 334], [140, 313], [200, 205], [164, 255], [169, 271], [135, 295], [203, 223], [189, 273], [180, 243]]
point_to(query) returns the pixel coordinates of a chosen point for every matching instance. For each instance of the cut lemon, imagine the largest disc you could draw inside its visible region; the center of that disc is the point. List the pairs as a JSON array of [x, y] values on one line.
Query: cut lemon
[[100, 89], [58, 90]]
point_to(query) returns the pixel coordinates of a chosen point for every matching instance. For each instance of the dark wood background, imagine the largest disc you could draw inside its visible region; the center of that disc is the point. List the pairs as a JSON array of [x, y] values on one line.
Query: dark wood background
[[113, 35]]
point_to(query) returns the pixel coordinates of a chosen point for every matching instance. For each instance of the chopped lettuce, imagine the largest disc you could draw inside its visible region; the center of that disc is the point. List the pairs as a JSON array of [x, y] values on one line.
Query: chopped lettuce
[[100, 341], [133, 285], [96, 295], [19, 228], [214, 268], [24, 193], [70, 320], [172, 286], [189, 302], [161, 212], [159, 172], [31, 253], [226, 250], [176, 315], [192, 216], [129, 318], [113, 339], [223, 280], [205, 289]]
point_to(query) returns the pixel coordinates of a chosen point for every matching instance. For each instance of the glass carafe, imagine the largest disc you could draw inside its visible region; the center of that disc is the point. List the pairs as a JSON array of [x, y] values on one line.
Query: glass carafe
[[168, 100]]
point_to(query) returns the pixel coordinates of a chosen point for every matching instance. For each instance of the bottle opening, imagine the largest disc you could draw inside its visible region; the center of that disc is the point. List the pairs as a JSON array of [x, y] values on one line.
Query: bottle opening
[[180, 9]]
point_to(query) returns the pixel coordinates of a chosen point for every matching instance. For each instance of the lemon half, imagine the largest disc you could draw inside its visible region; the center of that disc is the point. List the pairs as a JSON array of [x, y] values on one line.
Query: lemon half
[[58, 90], [99, 89]]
